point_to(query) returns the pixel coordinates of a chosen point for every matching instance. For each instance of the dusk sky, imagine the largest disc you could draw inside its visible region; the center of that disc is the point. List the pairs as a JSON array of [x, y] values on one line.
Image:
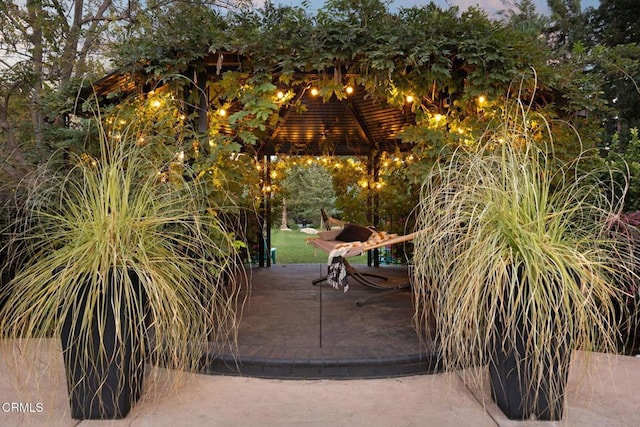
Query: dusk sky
[[491, 6]]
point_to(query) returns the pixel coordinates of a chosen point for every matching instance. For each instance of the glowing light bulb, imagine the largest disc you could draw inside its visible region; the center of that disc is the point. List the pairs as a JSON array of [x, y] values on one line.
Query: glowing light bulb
[[314, 91], [349, 90], [410, 99]]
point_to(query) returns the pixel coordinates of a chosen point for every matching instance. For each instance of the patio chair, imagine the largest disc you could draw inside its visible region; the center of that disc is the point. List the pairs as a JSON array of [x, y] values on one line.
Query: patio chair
[[330, 222], [354, 240]]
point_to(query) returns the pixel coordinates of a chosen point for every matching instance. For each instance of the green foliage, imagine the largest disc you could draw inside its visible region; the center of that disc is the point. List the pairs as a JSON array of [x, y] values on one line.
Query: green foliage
[[343, 187], [616, 22], [412, 51], [351, 183], [612, 41], [445, 58], [307, 188], [292, 248], [626, 157], [171, 37]]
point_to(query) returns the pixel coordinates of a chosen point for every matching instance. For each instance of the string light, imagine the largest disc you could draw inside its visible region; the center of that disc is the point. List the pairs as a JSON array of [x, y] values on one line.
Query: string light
[[349, 90], [410, 99], [314, 91]]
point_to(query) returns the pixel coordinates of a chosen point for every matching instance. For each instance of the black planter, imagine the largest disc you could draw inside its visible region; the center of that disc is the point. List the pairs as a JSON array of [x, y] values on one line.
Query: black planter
[[104, 374], [512, 385]]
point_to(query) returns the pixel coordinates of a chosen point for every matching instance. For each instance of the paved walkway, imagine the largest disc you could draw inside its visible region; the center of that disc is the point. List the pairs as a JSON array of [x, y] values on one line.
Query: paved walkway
[[292, 329], [605, 394], [603, 390]]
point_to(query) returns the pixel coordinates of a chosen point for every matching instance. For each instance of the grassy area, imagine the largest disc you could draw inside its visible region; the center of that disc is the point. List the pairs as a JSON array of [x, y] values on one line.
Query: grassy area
[[292, 248]]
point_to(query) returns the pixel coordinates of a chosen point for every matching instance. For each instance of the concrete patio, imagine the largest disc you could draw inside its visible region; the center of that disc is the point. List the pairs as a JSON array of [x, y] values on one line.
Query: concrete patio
[[602, 389]]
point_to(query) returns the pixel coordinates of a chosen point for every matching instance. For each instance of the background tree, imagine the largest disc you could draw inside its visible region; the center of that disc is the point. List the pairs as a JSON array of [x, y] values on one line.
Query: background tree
[[567, 22], [45, 44], [46, 48], [522, 14], [615, 28], [307, 186]]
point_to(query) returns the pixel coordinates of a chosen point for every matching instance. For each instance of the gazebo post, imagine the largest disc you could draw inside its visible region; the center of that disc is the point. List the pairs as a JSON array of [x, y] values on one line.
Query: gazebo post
[[373, 201], [203, 103], [267, 214], [376, 202], [264, 219]]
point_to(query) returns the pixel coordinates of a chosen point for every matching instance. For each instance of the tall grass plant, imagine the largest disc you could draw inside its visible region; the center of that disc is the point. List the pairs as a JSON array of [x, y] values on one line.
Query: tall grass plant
[[124, 211], [511, 236]]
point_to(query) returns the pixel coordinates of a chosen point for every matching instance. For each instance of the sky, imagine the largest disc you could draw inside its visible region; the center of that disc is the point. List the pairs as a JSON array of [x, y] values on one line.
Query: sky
[[490, 6]]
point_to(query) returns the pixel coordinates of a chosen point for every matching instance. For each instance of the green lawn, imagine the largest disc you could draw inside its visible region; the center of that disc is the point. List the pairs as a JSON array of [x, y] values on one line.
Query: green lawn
[[291, 248]]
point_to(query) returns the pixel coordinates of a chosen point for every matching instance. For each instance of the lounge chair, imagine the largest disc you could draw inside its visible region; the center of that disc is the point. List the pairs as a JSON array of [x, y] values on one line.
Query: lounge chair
[[354, 240], [330, 222]]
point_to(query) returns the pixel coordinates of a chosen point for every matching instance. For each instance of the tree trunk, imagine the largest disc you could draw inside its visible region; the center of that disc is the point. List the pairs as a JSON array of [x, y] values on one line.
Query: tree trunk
[[36, 17]]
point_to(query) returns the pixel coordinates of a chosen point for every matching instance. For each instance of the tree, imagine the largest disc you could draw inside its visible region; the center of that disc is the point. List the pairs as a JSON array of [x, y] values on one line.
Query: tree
[[522, 14], [47, 47], [615, 29], [617, 21], [46, 44], [567, 22], [307, 187]]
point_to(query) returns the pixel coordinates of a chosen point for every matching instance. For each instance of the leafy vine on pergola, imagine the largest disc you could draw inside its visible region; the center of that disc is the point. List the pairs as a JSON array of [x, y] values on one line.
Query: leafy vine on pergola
[[453, 70]]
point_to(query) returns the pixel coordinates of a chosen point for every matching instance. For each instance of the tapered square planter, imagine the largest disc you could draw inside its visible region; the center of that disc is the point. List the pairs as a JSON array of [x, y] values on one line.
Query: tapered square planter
[[513, 386], [104, 373]]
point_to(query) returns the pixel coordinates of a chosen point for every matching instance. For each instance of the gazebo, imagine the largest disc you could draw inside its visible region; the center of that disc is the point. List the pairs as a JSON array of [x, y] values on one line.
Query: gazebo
[[352, 123]]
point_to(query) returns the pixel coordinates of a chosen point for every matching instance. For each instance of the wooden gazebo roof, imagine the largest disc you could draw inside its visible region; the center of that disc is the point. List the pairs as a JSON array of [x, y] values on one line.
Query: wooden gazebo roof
[[356, 125]]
